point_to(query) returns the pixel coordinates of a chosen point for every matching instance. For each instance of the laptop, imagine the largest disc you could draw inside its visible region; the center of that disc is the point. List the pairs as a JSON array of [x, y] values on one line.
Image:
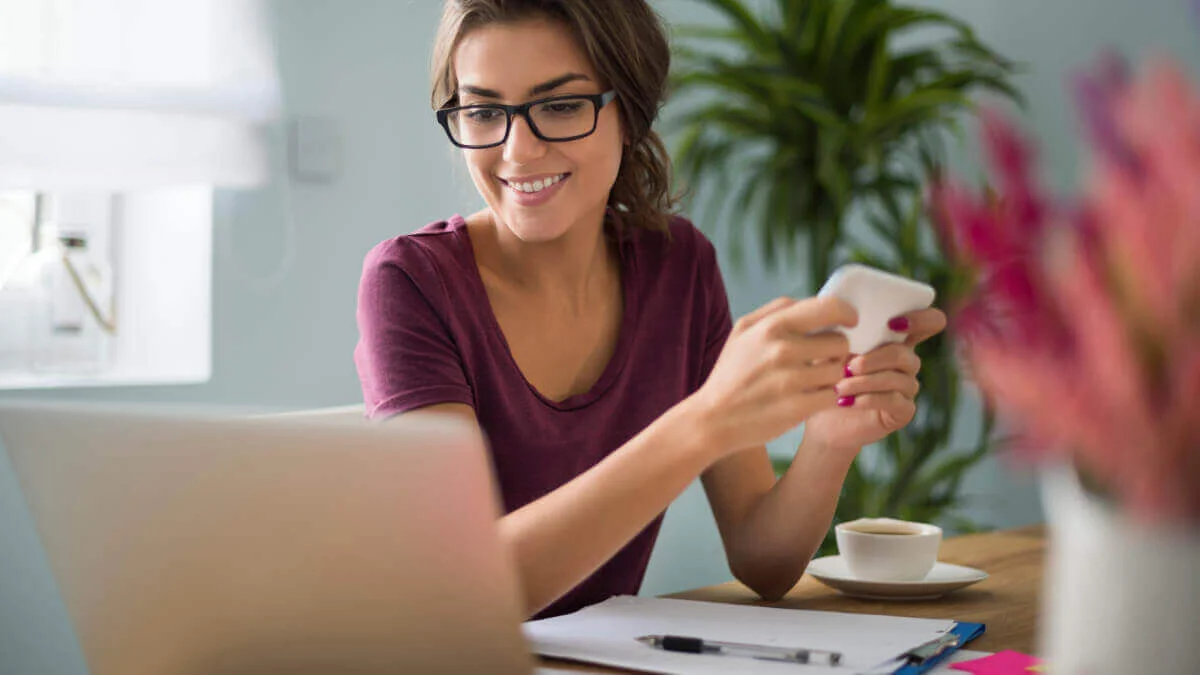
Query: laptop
[[201, 543]]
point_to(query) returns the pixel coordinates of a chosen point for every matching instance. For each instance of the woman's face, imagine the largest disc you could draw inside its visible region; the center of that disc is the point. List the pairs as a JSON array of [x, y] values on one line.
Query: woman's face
[[520, 62]]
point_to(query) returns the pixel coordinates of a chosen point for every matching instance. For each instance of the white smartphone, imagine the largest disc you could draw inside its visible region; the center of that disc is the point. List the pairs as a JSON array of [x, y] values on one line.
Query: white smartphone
[[878, 296]]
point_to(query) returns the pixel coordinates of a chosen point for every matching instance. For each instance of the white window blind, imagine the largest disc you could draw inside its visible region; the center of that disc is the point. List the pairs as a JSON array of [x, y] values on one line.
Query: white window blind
[[128, 94]]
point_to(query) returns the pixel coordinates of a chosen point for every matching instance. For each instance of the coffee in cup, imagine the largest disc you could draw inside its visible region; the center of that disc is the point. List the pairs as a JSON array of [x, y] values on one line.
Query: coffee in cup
[[886, 549]]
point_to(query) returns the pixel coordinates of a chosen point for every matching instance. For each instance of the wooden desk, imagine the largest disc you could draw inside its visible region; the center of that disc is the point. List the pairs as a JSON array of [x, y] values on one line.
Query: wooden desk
[[1007, 601]]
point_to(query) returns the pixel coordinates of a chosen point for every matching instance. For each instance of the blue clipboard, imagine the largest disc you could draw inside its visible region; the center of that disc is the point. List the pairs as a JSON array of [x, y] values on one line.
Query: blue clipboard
[[965, 632]]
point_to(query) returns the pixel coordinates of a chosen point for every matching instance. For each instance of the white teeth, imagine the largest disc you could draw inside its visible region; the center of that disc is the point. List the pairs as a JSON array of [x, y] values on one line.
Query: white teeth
[[537, 185]]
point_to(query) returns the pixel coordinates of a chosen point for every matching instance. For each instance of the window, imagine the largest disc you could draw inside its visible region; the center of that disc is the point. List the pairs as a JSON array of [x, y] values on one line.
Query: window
[[118, 118]]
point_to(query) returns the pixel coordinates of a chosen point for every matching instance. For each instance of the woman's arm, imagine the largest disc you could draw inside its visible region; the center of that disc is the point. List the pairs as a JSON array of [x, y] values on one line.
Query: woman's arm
[[771, 528], [771, 375], [559, 540]]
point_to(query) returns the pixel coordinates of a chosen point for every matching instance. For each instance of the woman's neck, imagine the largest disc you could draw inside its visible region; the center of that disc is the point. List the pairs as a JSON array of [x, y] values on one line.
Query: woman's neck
[[569, 273]]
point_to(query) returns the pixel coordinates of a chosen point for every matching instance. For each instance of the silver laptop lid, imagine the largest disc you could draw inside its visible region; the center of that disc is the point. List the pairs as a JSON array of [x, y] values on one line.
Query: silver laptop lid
[[213, 544]]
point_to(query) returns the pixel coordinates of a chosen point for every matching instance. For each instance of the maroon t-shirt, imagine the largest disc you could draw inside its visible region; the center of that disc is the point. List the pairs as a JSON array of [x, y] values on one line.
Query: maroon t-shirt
[[428, 336]]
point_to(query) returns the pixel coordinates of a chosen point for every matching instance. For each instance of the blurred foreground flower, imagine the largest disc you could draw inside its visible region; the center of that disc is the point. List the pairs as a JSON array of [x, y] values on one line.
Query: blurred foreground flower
[[1084, 325]]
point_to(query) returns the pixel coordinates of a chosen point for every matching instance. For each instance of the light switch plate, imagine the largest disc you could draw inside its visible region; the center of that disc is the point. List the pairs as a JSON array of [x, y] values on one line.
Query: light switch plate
[[314, 149]]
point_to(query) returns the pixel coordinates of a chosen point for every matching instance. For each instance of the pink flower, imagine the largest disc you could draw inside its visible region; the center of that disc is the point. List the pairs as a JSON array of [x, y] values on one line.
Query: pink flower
[[997, 235], [1084, 323], [1095, 94]]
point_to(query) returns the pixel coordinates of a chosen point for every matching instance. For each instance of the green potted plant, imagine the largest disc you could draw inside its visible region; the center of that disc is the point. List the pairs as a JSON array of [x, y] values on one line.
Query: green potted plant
[[805, 117]]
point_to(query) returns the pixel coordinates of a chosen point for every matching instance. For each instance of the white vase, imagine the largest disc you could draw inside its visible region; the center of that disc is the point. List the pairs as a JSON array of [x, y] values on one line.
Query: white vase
[[1120, 597]]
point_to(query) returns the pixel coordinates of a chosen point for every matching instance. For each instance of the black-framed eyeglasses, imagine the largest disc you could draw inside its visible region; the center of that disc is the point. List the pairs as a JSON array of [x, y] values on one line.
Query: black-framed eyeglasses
[[556, 119]]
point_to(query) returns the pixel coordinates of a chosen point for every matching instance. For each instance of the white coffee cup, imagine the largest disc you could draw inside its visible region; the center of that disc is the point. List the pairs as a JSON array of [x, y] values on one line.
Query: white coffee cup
[[886, 549]]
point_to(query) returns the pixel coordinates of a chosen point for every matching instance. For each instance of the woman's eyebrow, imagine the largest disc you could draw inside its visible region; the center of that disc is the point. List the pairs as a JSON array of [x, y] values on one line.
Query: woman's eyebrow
[[542, 88]]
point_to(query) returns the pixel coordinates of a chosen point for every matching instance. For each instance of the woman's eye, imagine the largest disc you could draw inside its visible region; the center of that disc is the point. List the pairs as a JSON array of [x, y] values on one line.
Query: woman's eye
[[563, 107], [484, 115]]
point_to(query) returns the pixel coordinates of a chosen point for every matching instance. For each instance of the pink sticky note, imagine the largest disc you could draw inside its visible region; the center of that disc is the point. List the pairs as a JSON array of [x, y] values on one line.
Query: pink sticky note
[[1001, 663]]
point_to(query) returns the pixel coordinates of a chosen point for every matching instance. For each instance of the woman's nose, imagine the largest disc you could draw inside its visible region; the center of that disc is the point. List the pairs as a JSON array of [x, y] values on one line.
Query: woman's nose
[[522, 144]]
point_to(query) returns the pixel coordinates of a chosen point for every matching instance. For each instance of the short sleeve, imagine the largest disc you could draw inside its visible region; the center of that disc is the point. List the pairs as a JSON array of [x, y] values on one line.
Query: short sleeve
[[406, 356], [719, 323]]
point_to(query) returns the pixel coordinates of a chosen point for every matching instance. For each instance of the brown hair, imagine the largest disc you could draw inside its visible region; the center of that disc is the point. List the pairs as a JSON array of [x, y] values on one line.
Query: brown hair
[[626, 44]]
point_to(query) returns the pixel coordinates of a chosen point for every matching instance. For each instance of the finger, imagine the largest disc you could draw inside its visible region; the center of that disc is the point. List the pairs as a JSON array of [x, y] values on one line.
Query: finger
[[786, 382], [920, 325], [824, 376], [823, 347], [888, 357], [813, 350], [816, 314], [761, 313], [796, 392], [892, 404], [796, 409], [880, 383]]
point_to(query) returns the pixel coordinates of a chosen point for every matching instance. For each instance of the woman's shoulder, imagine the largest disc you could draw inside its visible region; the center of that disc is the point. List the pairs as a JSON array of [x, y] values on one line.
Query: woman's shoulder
[[686, 230], [682, 243], [428, 249], [433, 261]]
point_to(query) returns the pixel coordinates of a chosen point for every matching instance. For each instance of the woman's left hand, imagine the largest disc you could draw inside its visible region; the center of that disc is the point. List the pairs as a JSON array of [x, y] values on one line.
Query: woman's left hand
[[877, 395]]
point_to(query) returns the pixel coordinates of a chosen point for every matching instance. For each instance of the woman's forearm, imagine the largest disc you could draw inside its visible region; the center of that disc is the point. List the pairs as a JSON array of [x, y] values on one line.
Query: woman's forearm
[[780, 534], [561, 538]]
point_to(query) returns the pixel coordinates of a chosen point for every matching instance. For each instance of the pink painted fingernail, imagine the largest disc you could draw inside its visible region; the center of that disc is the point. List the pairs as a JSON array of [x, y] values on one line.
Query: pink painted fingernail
[[848, 372], [845, 401], [899, 324]]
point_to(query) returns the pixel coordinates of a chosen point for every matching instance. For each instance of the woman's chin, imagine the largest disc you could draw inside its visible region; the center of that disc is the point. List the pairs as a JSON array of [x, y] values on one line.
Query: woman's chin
[[536, 228]]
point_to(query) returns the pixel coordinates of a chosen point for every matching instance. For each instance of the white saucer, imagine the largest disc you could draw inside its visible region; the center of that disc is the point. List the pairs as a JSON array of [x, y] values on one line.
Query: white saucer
[[943, 578]]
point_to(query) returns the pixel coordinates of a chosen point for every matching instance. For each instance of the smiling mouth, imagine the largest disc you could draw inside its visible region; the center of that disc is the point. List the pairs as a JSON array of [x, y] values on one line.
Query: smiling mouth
[[535, 186]]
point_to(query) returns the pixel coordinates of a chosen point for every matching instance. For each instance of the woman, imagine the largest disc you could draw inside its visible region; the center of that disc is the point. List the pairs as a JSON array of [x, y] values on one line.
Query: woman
[[587, 332]]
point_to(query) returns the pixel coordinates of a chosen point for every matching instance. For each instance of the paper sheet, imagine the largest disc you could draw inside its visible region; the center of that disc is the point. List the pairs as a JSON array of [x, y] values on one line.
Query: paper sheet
[[605, 634], [942, 669]]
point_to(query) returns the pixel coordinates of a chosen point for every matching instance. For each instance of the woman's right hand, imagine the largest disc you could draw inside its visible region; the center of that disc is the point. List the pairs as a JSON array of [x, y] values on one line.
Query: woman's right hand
[[773, 373]]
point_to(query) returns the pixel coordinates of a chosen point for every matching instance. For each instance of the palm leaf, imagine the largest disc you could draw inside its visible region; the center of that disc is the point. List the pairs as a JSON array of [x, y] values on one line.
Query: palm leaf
[[835, 23], [803, 113], [742, 18]]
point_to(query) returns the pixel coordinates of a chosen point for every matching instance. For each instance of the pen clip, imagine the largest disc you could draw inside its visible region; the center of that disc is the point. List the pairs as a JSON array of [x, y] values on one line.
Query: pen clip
[[932, 649]]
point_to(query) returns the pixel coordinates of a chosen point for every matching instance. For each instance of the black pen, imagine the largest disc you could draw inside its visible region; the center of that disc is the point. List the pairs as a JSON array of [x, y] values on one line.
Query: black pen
[[691, 645]]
